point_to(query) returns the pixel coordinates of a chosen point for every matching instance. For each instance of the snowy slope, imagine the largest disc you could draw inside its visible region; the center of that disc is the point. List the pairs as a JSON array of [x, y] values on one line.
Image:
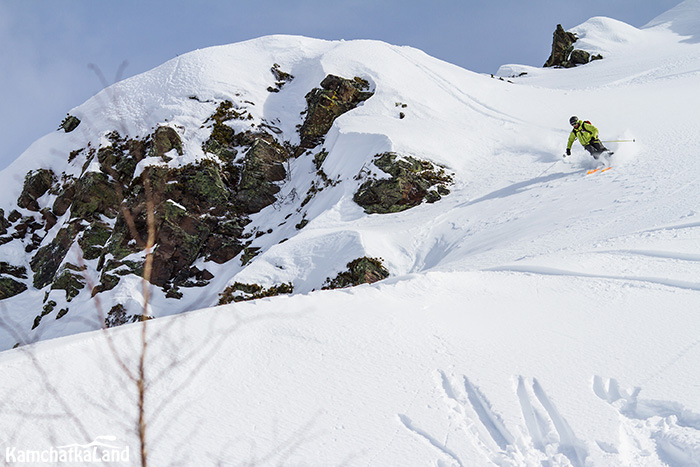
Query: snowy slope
[[535, 316]]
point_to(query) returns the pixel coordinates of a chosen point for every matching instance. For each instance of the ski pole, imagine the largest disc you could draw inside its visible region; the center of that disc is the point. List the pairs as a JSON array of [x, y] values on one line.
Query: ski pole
[[620, 141]]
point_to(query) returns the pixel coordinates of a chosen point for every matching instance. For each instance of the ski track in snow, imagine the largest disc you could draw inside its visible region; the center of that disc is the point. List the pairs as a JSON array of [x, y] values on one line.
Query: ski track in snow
[[651, 432], [668, 427]]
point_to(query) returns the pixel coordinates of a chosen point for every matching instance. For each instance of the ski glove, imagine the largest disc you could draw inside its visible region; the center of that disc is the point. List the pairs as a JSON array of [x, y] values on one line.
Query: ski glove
[[568, 151]]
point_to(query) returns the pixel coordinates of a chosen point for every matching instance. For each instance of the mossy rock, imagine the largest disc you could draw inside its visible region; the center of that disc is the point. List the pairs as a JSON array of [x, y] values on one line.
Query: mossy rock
[[165, 139], [120, 243], [94, 239], [221, 142], [562, 46], [10, 287], [280, 75], [19, 272], [248, 254], [71, 283], [363, 270], [180, 239], [118, 316], [580, 57], [262, 167], [221, 248], [48, 308], [223, 138], [47, 259], [107, 282], [94, 195], [409, 185], [198, 187], [239, 292], [64, 198], [36, 184], [320, 158], [335, 97], [69, 123]]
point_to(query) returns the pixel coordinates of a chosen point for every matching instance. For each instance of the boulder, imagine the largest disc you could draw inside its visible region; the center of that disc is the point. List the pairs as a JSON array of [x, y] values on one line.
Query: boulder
[[580, 57], [69, 123]]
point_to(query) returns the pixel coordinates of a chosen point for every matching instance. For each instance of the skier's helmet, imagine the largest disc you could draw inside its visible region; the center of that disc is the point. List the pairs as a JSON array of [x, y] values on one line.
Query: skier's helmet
[[573, 120]]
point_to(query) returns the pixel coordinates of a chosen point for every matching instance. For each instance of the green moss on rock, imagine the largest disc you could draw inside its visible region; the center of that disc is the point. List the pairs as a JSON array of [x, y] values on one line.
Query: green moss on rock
[[117, 316], [94, 239], [409, 185], [335, 97], [69, 123], [10, 287], [165, 139], [70, 282], [262, 167], [94, 195], [47, 259], [19, 272], [363, 270], [48, 308], [36, 184], [239, 292]]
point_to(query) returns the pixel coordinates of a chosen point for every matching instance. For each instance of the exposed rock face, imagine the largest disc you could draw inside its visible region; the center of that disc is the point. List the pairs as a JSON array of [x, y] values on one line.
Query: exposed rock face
[[9, 286], [165, 139], [411, 182], [36, 184], [335, 97], [563, 53], [100, 213]]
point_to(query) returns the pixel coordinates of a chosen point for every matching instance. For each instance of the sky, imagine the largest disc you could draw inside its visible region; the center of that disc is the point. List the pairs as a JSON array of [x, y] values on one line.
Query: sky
[[56, 55]]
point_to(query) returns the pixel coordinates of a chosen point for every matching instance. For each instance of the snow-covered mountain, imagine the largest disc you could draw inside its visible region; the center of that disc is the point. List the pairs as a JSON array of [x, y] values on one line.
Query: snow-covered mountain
[[534, 314]]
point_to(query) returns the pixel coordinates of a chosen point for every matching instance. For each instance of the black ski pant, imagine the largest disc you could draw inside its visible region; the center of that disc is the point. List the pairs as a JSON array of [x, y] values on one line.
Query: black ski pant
[[595, 147]]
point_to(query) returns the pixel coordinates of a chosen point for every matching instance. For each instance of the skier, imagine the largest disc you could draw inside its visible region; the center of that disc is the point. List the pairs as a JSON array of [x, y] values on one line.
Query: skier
[[587, 135]]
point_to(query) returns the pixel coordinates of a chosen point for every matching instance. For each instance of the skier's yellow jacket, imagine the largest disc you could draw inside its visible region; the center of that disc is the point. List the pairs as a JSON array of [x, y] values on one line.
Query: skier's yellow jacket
[[585, 132]]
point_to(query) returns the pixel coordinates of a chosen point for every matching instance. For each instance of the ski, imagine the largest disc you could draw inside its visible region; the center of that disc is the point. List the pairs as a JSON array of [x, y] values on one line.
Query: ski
[[598, 170]]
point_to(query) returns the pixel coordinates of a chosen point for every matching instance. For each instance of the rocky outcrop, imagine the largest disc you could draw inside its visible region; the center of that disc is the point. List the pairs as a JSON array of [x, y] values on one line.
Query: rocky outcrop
[[239, 292], [360, 271], [335, 97], [100, 211], [117, 316], [165, 139], [10, 286], [411, 182], [36, 184], [564, 55]]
